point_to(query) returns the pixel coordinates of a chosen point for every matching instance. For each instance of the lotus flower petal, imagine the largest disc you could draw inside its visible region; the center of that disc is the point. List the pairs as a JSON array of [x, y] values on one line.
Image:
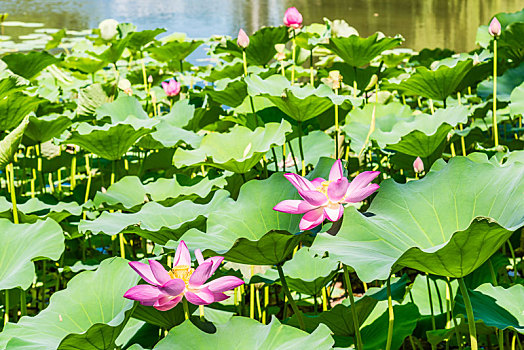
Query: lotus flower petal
[[145, 293], [167, 303], [311, 219], [336, 171], [182, 256], [333, 212], [144, 271], [202, 297], [201, 274], [361, 194], [173, 287], [292, 206], [337, 189], [159, 272], [223, 284]]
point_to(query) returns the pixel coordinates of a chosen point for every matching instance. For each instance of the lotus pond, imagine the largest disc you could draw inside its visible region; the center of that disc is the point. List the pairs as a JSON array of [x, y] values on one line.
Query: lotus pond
[[305, 187]]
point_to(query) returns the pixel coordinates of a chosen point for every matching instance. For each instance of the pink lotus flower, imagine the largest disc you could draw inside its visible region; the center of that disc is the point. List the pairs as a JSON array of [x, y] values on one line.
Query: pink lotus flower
[[293, 18], [289, 162], [166, 289], [494, 27], [171, 87], [243, 39], [324, 199], [418, 165]]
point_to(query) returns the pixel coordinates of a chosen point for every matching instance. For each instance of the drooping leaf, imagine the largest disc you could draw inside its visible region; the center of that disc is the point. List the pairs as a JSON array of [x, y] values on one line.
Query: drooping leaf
[[90, 98], [15, 107], [508, 81], [21, 244], [30, 64], [173, 50], [140, 39], [446, 224], [9, 145], [228, 92], [120, 109], [86, 65], [42, 129]]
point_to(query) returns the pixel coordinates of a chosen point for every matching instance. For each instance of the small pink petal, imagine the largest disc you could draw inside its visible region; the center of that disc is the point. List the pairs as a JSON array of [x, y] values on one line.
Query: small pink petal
[[202, 297], [173, 287], [182, 256], [361, 193], [311, 219], [362, 180], [167, 303], [333, 212], [159, 271], [217, 260], [314, 198], [220, 297], [199, 256], [292, 206], [317, 182], [144, 271], [336, 171], [201, 274], [301, 183], [144, 293], [223, 284], [337, 189]]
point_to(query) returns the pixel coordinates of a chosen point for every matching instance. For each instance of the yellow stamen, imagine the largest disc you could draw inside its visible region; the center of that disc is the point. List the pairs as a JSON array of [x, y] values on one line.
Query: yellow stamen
[[183, 272]]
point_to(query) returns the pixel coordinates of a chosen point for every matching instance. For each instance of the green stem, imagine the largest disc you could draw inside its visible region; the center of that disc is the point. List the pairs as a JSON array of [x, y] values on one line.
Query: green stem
[[186, 308], [469, 313], [293, 155], [495, 126], [515, 270], [500, 337], [275, 159], [391, 315], [492, 273], [433, 325], [6, 307], [336, 128], [356, 324], [300, 148], [453, 319], [290, 298], [13, 192], [23, 303], [311, 77], [293, 59]]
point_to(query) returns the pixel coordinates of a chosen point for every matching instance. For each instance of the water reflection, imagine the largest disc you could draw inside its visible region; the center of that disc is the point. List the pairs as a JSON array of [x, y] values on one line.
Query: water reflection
[[424, 23]]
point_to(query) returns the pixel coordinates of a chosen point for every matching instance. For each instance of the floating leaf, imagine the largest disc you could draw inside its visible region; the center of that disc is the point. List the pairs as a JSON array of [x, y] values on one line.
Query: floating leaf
[[30, 64]]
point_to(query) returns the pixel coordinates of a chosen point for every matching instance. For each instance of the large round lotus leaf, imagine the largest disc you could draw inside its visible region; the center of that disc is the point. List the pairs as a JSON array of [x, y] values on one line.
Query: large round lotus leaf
[[245, 333], [516, 105], [45, 238], [130, 192], [508, 81], [34, 210], [511, 42], [261, 47], [142, 38], [299, 103], [15, 107], [9, 145], [446, 224], [10, 85], [228, 92], [230, 70], [397, 128], [496, 306], [174, 50], [88, 314], [44, 128], [436, 84], [238, 150], [30, 64], [110, 141], [120, 109], [358, 51], [154, 221], [83, 64]]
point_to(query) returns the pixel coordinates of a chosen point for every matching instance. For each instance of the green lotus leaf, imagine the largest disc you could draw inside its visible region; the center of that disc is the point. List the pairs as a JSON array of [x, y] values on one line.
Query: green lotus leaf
[[130, 192], [30, 64], [110, 141], [506, 83], [397, 128], [228, 92], [516, 105], [140, 39], [34, 209], [427, 224], [230, 70], [113, 52], [90, 98], [511, 42], [299, 103], [238, 150], [495, 306], [88, 314], [173, 50], [42, 129], [85, 65], [154, 221], [56, 39], [21, 243], [10, 85], [436, 84], [261, 47], [358, 51], [9, 145], [120, 109], [15, 107], [245, 333]]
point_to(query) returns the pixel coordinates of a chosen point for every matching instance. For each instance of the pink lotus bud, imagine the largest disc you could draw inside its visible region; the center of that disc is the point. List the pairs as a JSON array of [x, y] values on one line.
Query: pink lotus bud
[[171, 87], [293, 18], [418, 165], [494, 27], [150, 79], [243, 39]]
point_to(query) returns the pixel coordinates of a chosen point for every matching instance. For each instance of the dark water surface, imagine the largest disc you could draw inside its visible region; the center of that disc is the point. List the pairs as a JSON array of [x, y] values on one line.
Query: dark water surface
[[423, 23]]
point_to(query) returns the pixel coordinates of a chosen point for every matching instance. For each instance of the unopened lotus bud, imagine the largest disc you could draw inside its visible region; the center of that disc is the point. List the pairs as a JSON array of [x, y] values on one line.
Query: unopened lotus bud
[[418, 165], [293, 18], [494, 27], [153, 97], [103, 189], [372, 82], [243, 39], [150, 79], [108, 29], [335, 78], [124, 84]]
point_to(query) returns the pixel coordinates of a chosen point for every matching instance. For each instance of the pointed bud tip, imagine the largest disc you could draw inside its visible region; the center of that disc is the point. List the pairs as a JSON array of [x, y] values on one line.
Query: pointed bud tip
[[243, 39], [418, 165], [495, 27]]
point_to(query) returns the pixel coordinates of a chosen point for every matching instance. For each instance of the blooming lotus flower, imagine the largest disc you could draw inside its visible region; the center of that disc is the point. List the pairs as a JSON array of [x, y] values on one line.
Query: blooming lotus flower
[[293, 18], [167, 288], [171, 87], [243, 39], [325, 199], [494, 27], [418, 165], [108, 29]]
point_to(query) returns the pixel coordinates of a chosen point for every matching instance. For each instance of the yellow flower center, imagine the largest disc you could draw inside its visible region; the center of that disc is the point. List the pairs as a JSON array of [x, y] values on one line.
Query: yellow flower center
[[324, 187], [183, 272]]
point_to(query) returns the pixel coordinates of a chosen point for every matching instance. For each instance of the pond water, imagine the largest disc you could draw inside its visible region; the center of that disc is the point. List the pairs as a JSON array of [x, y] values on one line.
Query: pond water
[[423, 23]]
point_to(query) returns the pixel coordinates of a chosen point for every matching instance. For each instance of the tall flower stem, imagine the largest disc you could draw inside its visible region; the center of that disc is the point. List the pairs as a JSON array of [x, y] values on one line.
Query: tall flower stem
[[391, 315], [495, 126], [301, 149], [186, 308], [6, 307], [293, 155], [293, 56], [266, 304], [311, 70], [244, 58], [430, 297], [290, 298], [453, 319], [252, 295], [356, 324], [469, 313], [13, 191], [336, 128]]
